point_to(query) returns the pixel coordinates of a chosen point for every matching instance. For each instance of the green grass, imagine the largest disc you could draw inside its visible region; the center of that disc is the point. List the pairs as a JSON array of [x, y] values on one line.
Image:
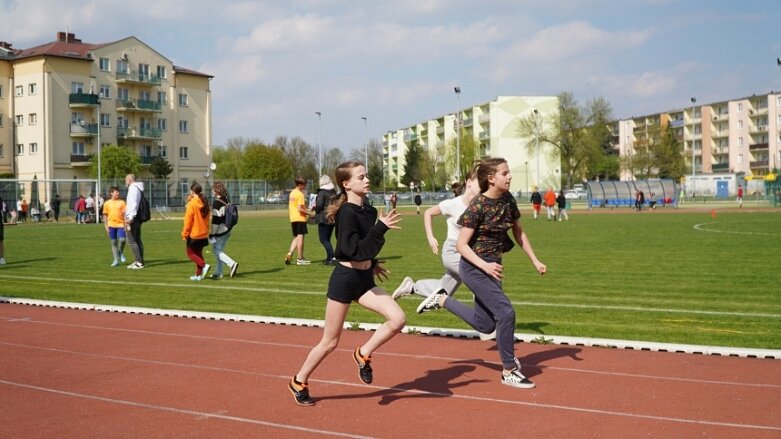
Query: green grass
[[650, 276]]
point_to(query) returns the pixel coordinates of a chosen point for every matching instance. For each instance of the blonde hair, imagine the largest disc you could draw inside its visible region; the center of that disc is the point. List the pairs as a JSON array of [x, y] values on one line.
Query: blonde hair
[[344, 172]]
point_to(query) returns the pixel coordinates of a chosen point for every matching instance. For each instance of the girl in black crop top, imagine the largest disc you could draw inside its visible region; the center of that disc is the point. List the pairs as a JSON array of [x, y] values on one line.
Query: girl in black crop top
[[359, 239]]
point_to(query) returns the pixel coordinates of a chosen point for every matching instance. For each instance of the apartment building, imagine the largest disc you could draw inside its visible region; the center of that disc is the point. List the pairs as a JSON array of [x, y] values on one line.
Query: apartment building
[[738, 136], [494, 126], [59, 101]]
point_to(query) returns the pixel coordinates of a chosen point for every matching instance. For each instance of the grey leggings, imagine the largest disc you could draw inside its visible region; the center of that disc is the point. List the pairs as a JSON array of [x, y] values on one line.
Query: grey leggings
[[492, 311]]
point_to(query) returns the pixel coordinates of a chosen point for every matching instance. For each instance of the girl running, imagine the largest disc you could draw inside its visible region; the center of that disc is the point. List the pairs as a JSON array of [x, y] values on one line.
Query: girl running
[[451, 209], [359, 239], [482, 241], [195, 231]]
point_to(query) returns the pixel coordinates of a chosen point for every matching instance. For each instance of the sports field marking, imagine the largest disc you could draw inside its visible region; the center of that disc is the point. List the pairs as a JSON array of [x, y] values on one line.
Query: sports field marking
[[364, 386], [209, 286], [179, 411], [702, 227]]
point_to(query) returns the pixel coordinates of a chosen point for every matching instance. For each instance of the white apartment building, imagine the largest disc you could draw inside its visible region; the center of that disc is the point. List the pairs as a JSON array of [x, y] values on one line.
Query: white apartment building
[[494, 126], [739, 136], [60, 100]]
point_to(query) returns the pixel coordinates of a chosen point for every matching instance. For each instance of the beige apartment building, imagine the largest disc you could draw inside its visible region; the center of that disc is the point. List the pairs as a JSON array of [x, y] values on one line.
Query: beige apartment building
[[494, 126], [738, 136], [59, 101]]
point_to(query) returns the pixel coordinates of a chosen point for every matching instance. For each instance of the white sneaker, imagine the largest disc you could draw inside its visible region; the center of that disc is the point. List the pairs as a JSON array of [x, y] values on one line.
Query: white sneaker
[[516, 379], [431, 302], [406, 288], [205, 270], [2, 261], [490, 336], [303, 262], [196, 278], [136, 266], [234, 267]]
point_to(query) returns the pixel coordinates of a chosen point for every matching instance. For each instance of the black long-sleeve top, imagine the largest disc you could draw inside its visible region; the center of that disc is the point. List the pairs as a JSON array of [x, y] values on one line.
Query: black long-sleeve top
[[359, 236]]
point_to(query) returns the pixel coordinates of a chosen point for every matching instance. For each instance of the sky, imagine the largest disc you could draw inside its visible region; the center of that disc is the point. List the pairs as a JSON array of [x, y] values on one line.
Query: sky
[[276, 63]]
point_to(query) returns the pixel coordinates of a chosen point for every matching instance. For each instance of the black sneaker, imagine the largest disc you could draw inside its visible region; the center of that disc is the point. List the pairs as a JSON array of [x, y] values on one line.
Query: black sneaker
[[300, 392], [288, 257], [364, 366]]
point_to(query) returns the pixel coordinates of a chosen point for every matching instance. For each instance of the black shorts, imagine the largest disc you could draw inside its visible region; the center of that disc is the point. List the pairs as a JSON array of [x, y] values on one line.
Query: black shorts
[[299, 228], [197, 244], [348, 284]]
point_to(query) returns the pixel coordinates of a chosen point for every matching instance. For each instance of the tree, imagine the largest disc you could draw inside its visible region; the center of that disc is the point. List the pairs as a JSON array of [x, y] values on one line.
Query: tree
[[669, 155], [301, 156], [115, 163], [374, 167], [332, 158], [268, 163], [160, 168], [228, 158], [412, 165]]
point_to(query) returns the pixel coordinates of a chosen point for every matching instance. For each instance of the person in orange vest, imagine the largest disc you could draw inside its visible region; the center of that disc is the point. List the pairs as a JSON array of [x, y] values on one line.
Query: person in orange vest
[[550, 203]]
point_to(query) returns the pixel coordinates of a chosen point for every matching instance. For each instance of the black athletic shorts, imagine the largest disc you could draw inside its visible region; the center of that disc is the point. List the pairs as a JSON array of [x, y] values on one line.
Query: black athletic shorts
[[299, 228], [348, 284]]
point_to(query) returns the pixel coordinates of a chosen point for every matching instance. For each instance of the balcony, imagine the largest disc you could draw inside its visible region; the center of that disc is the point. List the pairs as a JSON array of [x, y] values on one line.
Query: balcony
[[80, 159], [720, 167], [485, 135], [759, 164], [147, 159], [138, 106], [133, 77], [758, 146], [757, 129], [81, 130], [82, 100], [720, 117], [142, 134]]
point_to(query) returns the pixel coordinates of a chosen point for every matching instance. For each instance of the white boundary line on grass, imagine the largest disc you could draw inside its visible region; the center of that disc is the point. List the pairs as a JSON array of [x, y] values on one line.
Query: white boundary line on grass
[[235, 287], [701, 227], [445, 332]]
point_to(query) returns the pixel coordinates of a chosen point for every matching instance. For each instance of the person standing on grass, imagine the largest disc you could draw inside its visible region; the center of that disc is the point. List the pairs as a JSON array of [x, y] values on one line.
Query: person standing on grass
[[325, 228], [2, 234], [56, 207], [220, 232], [298, 215], [114, 223], [740, 196], [195, 231], [482, 241], [451, 209], [359, 239], [536, 200], [561, 202], [133, 225], [81, 210], [550, 203]]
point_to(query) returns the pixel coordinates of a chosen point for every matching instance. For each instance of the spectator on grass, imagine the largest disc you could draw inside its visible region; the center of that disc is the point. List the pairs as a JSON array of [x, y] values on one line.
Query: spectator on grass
[[4, 210], [21, 210], [416, 189], [561, 202], [550, 203], [47, 209], [639, 200], [56, 207], [80, 206], [195, 231], [739, 198], [2, 238], [536, 201], [113, 214], [132, 225], [394, 198], [220, 233], [90, 202], [325, 227], [298, 214]]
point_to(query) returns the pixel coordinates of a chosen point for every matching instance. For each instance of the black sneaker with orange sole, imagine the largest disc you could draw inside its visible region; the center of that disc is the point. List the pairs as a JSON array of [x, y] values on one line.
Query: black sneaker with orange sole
[[300, 392], [364, 366]]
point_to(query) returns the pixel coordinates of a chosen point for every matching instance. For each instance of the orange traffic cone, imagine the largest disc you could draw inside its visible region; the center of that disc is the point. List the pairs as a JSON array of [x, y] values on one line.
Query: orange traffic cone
[[713, 213]]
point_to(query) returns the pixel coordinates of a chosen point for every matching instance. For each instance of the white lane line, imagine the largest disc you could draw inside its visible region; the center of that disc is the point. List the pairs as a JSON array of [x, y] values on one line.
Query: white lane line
[[702, 227], [233, 287], [399, 390], [180, 411]]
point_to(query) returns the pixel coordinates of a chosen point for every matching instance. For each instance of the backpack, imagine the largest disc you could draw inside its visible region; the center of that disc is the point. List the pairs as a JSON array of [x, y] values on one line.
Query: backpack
[[143, 213], [231, 215]]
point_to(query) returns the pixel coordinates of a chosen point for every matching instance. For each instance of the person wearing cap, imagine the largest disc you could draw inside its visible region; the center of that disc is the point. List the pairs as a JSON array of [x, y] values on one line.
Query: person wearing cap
[[325, 228]]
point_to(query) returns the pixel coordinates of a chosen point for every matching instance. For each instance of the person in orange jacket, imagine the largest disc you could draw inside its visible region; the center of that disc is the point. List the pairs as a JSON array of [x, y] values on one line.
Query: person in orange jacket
[[195, 231], [550, 203]]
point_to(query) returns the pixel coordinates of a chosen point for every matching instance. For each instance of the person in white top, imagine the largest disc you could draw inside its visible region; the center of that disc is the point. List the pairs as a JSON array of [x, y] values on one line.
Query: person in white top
[[452, 210]]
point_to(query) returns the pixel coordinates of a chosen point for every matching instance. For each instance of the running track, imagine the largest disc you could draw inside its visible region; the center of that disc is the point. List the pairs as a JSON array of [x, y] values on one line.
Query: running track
[[74, 373]]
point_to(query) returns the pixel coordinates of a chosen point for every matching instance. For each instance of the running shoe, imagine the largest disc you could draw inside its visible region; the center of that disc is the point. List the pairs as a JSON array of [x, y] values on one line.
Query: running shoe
[[234, 267], [364, 366], [300, 392], [288, 257], [516, 379], [302, 262], [431, 302], [406, 288]]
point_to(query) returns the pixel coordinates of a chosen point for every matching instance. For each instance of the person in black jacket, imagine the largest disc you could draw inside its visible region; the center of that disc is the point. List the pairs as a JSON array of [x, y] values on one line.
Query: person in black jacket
[[536, 200], [56, 207], [359, 239], [325, 228]]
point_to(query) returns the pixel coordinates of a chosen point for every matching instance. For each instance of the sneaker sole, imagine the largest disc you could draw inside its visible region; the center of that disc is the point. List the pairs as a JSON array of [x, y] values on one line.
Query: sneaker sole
[[519, 386], [355, 357]]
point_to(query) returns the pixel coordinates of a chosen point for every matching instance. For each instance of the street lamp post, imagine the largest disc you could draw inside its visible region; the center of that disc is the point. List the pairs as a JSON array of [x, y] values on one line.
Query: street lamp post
[[537, 149], [526, 168], [694, 101], [319, 146], [365, 143], [458, 132]]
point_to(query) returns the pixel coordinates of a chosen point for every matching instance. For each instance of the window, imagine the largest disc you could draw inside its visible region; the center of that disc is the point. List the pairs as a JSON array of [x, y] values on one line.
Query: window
[[104, 64], [105, 91], [20, 149], [740, 141], [1, 150], [143, 71], [183, 153], [144, 95], [162, 151], [20, 90], [161, 125], [77, 118], [33, 88], [146, 151], [778, 99], [162, 97], [740, 124], [122, 122], [33, 148], [105, 119], [161, 73], [123, 94], [122, 66], [19, 119], [185, 185], [77, 87], [1, 120], [182, 126], [78, 148], [182, 100], [1, 92], [740, 159], [740, 108], [32, 118]]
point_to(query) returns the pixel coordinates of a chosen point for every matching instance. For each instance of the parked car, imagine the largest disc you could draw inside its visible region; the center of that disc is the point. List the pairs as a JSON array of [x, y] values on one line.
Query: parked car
[[576, 194]]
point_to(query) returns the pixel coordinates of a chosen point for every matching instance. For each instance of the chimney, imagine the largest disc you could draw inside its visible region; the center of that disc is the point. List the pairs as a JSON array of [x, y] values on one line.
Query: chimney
[[5, 45], [67, 37]]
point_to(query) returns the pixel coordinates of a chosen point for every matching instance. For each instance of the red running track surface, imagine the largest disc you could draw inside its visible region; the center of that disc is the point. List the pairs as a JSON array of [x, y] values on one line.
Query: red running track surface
[[71, 373]]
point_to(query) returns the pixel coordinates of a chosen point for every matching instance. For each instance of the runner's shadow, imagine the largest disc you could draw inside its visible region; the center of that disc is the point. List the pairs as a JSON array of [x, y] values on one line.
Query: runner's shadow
[[531, 363], [152, 263], [434, 384], [270, 270]]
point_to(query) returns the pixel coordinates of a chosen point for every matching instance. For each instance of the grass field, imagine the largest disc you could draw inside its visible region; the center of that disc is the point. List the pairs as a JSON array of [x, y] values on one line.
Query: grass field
[[683, 277]]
